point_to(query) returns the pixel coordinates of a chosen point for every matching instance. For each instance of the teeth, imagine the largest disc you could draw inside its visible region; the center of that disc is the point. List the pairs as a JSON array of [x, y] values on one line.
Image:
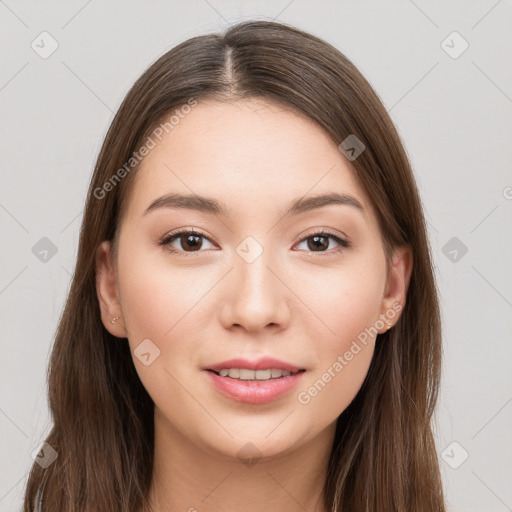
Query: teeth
[[263, 374], [245, 374]]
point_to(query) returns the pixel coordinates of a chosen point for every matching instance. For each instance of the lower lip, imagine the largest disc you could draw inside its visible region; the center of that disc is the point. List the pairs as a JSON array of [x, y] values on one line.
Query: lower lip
[[254, 391]]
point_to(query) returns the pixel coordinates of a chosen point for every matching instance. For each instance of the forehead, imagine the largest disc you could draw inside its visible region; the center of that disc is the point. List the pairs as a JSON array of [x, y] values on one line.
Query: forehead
[[252, 153]]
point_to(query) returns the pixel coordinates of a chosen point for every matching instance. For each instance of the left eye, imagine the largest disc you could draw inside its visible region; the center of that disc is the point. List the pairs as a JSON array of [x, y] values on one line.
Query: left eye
[[320, 242]]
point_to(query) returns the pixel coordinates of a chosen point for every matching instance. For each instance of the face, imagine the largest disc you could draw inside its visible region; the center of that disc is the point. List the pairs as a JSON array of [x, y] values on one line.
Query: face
[[307, 287]]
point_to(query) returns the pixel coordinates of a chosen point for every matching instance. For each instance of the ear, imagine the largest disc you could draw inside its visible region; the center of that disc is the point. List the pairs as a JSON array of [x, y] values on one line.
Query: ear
[[397, 284], [108, 295]]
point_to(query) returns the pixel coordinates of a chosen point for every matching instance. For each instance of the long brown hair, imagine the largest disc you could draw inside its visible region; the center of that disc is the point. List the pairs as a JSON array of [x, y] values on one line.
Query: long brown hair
[[384, 456]]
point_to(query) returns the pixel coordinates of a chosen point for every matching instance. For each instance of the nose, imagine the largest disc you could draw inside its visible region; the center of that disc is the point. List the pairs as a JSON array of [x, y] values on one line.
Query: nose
[[255, 297]]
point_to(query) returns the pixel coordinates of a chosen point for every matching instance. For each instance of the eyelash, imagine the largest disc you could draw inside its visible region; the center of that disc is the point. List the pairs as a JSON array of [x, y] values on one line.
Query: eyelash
[[166, 241]]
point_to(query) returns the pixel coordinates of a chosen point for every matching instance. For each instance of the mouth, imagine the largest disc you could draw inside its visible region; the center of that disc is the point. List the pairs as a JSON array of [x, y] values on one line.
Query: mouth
[[256, 382], [254, 375]]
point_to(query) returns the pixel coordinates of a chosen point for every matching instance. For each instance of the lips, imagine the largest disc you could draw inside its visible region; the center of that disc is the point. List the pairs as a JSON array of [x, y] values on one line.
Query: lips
[[265, 363], [254, 391]]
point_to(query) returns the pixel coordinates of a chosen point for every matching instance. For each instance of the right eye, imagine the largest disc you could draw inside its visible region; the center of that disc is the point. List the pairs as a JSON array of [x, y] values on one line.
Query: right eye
[[189, 240]]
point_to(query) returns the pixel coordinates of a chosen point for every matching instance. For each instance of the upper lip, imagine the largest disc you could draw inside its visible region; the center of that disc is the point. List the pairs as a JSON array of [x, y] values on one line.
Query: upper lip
[[264, 363]]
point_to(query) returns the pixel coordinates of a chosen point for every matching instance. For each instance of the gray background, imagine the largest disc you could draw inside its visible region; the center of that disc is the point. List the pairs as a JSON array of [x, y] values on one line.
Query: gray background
[[452, 111]]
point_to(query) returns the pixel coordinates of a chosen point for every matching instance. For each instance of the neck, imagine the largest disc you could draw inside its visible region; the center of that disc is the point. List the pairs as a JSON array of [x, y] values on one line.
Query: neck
[[189, 478]]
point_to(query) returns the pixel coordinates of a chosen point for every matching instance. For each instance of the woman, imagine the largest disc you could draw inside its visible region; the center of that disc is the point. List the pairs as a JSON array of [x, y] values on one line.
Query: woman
[[253, 321]]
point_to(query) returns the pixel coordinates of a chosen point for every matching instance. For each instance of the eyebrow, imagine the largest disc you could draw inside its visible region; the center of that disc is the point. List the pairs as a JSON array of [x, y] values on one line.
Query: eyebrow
[[215, 207]]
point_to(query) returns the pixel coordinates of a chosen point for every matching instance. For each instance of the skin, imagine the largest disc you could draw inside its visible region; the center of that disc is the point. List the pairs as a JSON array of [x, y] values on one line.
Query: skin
[[294, 302]]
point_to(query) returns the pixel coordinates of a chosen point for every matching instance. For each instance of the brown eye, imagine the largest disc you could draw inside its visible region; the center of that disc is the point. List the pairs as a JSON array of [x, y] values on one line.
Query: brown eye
[[192, 242], [318, 242], [321, 242], [185, 242]]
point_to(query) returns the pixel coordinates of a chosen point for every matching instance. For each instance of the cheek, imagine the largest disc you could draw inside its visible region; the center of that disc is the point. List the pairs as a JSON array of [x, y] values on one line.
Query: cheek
[[349, 305], [346, 300], [158, 299], [161, 304]]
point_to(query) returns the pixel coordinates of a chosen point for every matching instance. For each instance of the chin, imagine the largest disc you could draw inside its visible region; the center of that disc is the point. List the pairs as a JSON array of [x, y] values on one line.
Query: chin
[[262, 441]]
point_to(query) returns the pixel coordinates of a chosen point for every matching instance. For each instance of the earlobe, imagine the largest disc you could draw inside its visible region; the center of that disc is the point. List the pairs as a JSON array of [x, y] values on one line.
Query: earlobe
[[106, 289], [399, 276]]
